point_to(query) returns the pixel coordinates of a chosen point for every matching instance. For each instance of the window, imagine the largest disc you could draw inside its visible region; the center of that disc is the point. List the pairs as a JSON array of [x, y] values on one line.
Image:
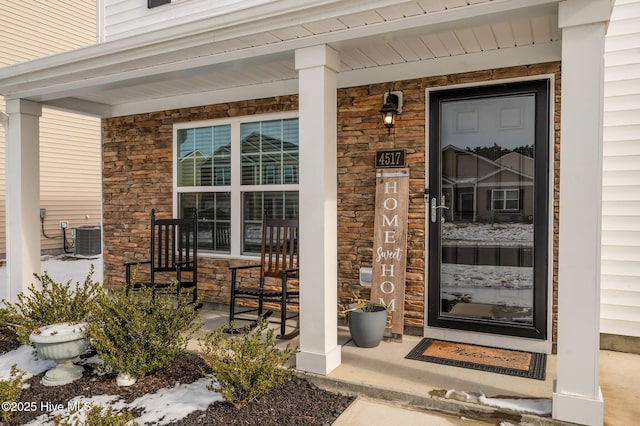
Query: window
[[505, 199], [232, 172]]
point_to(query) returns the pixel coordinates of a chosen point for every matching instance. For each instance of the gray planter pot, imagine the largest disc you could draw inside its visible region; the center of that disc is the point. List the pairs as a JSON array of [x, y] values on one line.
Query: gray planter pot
[[367, 328]]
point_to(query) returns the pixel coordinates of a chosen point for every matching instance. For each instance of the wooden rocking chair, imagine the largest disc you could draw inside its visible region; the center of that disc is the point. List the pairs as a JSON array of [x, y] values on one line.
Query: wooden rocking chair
[[173, 256], [279, 261]]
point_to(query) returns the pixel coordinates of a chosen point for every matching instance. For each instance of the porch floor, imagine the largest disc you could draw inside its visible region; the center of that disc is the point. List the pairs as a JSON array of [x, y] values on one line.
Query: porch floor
[[385, 383]]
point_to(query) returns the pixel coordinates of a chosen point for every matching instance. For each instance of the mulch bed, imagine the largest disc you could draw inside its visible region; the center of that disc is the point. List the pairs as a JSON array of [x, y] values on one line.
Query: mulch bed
[[296, 402], [8, 341]]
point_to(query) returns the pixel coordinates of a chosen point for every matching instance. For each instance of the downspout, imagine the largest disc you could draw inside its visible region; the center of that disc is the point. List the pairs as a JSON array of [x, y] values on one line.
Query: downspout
[[4, 119]]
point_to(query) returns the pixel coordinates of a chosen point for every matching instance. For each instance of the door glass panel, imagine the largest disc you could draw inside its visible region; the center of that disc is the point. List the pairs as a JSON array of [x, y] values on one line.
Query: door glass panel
[[487, 208]]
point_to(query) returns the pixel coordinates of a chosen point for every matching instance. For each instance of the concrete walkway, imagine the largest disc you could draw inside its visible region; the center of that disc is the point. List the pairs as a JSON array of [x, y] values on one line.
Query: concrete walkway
[[366, 412]]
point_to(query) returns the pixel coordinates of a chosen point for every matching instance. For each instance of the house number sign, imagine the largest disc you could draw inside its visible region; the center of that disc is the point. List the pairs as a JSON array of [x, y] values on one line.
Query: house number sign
[[390, 246], [390, 158]]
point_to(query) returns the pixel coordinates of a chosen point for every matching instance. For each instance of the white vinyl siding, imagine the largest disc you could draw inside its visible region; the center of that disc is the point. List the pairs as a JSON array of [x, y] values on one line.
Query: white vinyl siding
[[125, 18], [620, 287], [70, 172], [31, 28], [70, 159]]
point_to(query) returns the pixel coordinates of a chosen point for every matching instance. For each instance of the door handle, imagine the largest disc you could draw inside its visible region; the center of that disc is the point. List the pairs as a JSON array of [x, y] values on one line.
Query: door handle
[[434, 209]]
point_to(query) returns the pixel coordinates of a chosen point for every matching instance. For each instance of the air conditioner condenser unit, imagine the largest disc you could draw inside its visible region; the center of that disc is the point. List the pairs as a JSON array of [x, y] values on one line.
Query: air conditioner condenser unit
[[88, 241]]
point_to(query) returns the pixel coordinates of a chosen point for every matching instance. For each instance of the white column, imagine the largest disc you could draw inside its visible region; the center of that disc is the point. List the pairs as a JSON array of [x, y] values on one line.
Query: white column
[[577, 397], [22, 167], [317, 72]]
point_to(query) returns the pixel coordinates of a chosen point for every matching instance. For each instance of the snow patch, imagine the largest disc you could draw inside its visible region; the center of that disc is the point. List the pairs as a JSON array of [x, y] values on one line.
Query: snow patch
[[63, 328], [541, 407], [166, 406], [487, 276], [503, 234], [171, 404], [26, 359]]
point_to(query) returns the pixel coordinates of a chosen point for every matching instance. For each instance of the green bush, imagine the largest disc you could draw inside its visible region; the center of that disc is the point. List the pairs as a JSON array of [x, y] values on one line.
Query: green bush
[[10, 390], [98, 416], [54, 303], [138, 333], [245, 365]]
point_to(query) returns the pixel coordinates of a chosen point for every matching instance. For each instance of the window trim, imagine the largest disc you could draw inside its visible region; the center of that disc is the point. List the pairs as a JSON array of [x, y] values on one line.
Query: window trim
[[235, 188]]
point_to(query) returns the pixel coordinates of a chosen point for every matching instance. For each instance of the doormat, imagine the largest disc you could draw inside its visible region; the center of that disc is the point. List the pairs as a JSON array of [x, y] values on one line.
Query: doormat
[[530, 365]]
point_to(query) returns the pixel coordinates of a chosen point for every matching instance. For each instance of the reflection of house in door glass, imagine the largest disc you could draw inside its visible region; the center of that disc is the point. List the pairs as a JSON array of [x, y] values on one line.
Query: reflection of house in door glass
[[466, 206], [487, 187], [478, 189]]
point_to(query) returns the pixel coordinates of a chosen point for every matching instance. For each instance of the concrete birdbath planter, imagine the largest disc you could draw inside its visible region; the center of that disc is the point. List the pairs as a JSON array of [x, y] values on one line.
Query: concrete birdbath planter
[[61, 343]]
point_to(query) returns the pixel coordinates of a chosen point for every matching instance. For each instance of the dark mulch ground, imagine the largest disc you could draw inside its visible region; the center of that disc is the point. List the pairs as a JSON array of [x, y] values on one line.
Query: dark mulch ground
[[296, 402], [8, 340]]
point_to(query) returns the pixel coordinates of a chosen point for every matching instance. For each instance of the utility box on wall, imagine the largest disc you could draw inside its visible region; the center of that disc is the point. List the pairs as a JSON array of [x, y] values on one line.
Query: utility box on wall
[[88, 241]]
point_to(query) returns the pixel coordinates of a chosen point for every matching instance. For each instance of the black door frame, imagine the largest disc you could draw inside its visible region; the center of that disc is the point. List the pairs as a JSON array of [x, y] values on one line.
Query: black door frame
[[541, 90]]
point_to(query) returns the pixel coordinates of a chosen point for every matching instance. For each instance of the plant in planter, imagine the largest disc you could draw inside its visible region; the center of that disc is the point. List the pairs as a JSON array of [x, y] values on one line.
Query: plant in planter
[[367, 322], [139, 332]]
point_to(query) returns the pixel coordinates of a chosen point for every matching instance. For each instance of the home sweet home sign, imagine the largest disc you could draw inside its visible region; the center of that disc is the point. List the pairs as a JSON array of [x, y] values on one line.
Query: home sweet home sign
[[390, 246]]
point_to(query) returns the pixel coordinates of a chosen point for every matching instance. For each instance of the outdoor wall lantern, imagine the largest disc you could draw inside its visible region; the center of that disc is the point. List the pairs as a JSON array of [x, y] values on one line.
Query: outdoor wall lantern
[[391, 106]]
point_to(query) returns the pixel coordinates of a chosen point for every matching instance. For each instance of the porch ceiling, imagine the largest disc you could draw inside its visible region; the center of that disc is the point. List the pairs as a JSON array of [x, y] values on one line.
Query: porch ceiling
[[378, 43]]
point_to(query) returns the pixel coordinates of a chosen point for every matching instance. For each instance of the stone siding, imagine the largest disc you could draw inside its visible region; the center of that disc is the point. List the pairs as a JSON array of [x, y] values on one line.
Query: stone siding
[[138, 164]]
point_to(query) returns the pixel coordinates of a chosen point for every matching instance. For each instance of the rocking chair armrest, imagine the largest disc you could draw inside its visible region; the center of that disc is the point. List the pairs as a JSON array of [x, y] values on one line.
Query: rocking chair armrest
[[136, 262], [128, 266], [292, 272], [183, 263], [286, 274], [232, 268]]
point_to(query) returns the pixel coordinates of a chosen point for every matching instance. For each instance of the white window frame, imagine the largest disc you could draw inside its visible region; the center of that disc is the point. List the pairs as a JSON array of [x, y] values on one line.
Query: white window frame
[[505, 199], [235, 187]]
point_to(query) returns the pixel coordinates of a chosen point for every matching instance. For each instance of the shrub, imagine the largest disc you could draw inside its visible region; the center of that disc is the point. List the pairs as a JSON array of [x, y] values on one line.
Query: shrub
[[245, 365], [97, 416], [54, 303], [140, 332], [10, 390]]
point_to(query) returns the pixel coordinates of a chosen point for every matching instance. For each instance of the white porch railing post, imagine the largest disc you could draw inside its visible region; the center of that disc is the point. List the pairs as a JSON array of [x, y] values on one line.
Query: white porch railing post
[[22, 168], [577, 397], [317, 79]]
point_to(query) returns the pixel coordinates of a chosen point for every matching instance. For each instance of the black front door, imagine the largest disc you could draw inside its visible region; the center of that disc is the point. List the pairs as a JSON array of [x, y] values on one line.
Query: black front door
[[488, 209]]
